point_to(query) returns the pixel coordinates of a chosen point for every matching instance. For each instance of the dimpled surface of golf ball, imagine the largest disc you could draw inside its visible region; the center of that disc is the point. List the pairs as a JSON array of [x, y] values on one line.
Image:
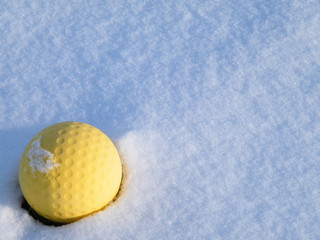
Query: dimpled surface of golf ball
[[69, 170]]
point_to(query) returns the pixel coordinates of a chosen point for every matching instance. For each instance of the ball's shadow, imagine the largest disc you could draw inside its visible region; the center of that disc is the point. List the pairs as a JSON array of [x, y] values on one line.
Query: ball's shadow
[[25, 205]]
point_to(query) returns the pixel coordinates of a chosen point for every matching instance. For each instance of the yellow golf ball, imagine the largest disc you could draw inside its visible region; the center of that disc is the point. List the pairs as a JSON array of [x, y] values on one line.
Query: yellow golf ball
[[68, 171]]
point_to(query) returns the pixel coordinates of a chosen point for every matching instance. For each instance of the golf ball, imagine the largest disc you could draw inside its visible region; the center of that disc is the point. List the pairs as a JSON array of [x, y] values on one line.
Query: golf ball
[[68, 171]]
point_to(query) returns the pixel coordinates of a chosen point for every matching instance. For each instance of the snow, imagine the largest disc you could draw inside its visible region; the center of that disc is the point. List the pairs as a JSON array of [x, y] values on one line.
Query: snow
[[39, 158], [213, 105]]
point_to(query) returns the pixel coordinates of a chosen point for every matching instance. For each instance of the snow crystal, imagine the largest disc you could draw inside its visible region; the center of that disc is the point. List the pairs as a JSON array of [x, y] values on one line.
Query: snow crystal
[[40, 159]]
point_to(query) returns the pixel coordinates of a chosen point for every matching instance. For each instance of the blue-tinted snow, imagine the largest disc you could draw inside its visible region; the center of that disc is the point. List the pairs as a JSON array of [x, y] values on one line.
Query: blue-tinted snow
[[214, 106]]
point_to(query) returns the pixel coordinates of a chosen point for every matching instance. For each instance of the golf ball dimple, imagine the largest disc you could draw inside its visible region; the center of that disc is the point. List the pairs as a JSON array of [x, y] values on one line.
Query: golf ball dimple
[[69, 170]]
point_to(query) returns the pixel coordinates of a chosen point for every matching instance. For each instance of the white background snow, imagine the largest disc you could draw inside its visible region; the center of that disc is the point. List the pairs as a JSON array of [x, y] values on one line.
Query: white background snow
[[214, 106]]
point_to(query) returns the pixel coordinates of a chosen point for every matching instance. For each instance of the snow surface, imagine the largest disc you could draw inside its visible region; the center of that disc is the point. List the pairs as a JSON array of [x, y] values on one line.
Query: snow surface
[[214, 106]]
